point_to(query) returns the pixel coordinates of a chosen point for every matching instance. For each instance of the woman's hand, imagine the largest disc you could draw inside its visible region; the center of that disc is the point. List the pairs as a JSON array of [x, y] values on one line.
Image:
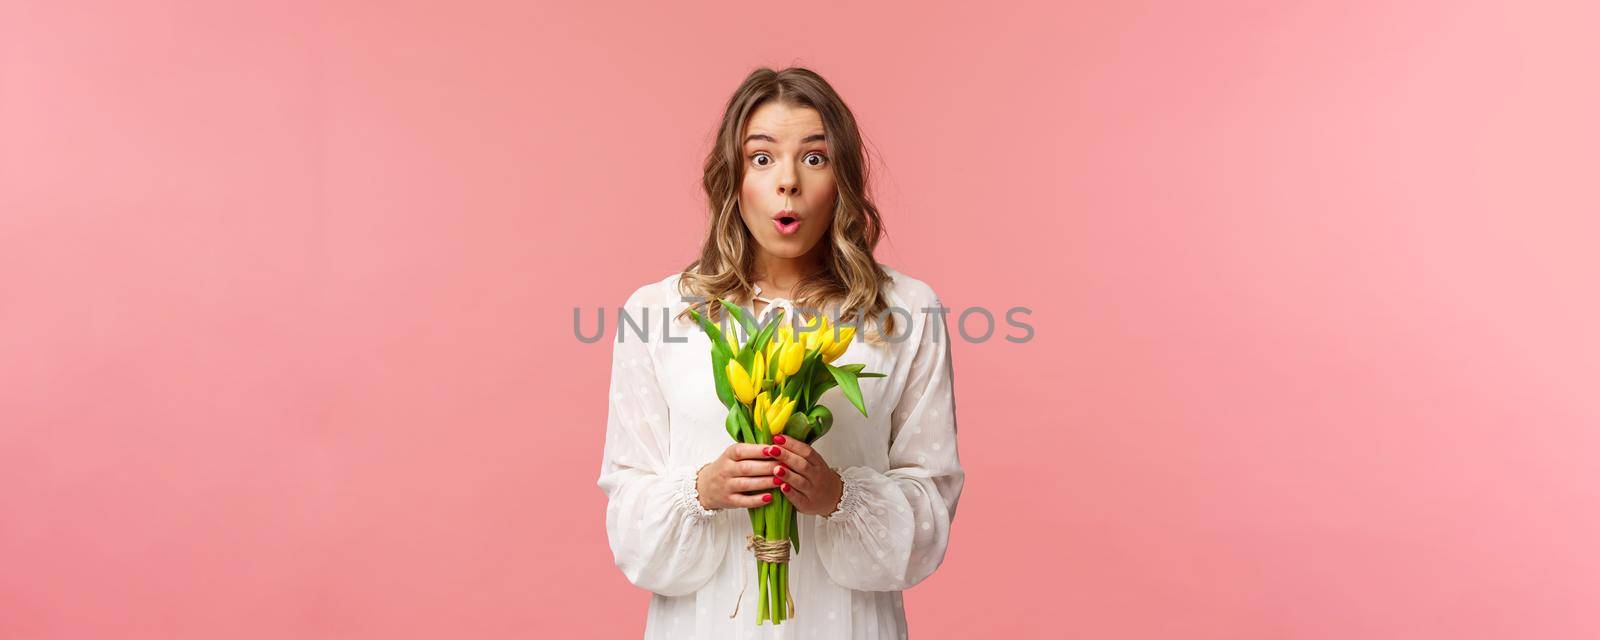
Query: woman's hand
[[724, 482], [808, 481]]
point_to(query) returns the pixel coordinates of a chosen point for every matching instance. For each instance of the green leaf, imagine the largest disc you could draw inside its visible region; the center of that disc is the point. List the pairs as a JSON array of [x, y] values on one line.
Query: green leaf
[[731, 423], [748, 424], [798, 426], [759, 342], [800, 384], [849, 387], [739, 424], [719, 373], [822, 386], [741, 315], [713, 332], [794, 529], [820, 381], [821, 421]]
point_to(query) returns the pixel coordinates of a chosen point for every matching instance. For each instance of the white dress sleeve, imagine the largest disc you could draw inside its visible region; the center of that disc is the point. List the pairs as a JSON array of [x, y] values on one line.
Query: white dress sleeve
[[891, 529], [661, 538]]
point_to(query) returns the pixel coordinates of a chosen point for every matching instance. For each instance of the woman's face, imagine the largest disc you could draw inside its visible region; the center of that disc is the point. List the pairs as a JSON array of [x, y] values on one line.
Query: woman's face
[[788, 193]]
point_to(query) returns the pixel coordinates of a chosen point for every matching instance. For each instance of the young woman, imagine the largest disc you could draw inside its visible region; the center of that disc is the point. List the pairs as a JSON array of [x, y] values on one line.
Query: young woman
[[791, 226]]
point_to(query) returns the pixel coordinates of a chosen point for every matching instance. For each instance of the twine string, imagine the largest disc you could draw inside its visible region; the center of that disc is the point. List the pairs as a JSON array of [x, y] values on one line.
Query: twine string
[[765, 551]]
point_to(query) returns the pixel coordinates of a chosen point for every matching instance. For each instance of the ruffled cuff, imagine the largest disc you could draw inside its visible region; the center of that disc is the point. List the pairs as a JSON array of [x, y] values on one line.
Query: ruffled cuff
[[854, 499], [686, 495]]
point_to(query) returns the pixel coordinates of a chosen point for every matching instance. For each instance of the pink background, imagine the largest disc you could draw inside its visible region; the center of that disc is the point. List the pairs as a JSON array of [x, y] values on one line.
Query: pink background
[[286, 299]]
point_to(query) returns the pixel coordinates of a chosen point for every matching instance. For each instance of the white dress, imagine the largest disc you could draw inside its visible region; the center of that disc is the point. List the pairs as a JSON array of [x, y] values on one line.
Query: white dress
[[902, 479]]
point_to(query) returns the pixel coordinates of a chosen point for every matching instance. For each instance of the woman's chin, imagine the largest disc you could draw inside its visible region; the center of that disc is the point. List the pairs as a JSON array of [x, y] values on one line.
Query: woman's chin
[[787, 248]]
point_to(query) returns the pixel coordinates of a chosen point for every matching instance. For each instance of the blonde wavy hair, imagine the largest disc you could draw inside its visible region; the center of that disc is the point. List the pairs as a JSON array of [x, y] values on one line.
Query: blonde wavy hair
[[851, 278]]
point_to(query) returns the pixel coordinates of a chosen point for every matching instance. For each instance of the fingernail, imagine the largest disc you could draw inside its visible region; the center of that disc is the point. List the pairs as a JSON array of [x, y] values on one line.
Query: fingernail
[[777, 439], [778, 471], [785, 488], [777, 481], [766, 497], [771, 451]]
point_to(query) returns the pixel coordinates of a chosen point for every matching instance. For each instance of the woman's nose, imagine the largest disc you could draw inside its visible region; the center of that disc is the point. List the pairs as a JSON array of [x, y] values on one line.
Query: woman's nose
[[788, 181]]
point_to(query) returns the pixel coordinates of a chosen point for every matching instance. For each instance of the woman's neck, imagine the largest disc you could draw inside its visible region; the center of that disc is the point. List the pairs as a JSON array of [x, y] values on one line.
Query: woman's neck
[[782, 274]]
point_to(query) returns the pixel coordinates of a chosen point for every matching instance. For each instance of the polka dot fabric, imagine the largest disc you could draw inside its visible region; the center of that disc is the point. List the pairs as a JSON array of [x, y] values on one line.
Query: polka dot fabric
[[899, 464]]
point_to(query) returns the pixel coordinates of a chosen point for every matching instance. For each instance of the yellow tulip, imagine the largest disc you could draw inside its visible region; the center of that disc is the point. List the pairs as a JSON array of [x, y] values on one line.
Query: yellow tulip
[[833, 352], [732, 336], [743, 386], [759, 370], [838, 347], [793, 356], [783, 336], [816, 337], [778, 414], [763, 401]]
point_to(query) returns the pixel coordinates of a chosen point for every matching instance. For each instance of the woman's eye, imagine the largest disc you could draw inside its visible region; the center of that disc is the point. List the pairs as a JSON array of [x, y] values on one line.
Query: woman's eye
[[812, 160]]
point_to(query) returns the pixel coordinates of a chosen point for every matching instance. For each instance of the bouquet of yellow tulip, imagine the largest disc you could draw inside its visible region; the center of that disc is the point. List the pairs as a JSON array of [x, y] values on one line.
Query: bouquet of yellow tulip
[[771, 384]]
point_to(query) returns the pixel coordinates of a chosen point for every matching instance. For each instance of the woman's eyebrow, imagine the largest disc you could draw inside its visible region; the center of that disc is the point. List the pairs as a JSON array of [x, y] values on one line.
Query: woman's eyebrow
[[764, 137]]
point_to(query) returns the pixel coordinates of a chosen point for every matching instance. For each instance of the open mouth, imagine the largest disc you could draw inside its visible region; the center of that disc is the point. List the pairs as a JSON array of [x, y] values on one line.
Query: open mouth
[[787, 224]]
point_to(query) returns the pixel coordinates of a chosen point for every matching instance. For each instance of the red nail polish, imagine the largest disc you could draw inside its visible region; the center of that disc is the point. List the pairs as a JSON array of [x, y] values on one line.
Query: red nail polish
[[766, 497], [771, 451], [777, 481], [785, 488], [778, 471], [777, 439]]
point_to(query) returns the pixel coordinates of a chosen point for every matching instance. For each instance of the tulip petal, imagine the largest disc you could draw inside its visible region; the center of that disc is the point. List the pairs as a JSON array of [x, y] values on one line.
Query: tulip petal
[[743, 387]]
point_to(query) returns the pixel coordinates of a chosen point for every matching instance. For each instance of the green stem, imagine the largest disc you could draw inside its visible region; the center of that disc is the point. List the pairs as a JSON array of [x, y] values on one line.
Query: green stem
[[761, 595], [758, 527], [788, 532], [805, 384], [780, 597], [772, 576], [761, 521]]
